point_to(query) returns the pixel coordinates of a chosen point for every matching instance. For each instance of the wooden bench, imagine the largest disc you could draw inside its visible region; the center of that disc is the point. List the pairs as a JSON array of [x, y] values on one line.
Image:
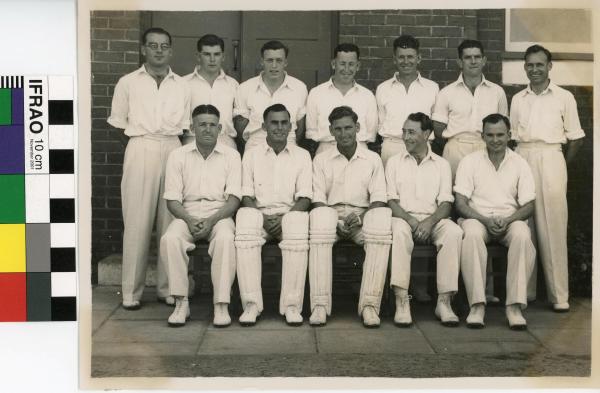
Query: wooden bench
[[347, 271]]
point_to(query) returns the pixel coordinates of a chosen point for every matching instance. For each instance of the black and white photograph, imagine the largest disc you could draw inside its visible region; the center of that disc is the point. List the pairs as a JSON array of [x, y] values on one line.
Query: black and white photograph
[[348, 193]]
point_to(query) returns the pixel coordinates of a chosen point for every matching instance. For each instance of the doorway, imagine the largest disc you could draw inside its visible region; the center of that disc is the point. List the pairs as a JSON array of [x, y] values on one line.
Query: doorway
[[310, 36]]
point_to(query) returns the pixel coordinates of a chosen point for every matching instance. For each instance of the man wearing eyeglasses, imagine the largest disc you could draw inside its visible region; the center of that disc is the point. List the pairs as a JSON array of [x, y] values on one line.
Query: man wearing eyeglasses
[[151, 105]]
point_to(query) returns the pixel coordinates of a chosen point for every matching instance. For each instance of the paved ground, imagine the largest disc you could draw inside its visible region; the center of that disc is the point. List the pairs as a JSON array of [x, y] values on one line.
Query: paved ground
[[139, 343]]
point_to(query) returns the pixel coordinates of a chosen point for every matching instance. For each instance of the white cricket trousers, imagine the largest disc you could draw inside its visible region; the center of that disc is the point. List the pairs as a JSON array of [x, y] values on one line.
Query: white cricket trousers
[[550, 216], [178, 240], [142, 187], [473, 260], [446, 236]]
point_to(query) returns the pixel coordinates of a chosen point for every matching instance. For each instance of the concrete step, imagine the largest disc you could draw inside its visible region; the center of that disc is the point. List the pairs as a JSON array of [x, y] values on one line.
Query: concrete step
[[109, 270]]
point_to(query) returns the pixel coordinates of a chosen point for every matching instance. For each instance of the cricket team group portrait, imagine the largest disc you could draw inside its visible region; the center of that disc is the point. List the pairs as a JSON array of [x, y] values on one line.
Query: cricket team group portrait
[[235, 160], [353, 197]]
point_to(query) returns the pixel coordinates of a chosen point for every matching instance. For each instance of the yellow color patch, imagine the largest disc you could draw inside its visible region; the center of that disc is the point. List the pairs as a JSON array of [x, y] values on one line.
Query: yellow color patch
[[12, 248]]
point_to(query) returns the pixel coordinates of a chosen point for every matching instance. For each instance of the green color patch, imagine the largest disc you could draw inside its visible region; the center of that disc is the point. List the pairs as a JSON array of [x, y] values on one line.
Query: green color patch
[[5, 107], [12, 199]]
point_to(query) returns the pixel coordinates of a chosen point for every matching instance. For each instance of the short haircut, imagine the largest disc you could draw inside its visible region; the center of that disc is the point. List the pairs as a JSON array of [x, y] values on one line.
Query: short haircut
[[538, 48], [210, 40], [469, 44], [496, 118], [275, 108], [340, 112], [346, 47], [406, 41], [155, 30], [274, 45], [422, 119], [205, 110]]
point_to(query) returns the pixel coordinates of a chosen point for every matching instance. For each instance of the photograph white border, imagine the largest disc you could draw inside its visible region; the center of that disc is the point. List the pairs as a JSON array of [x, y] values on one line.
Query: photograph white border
[[84, 94]]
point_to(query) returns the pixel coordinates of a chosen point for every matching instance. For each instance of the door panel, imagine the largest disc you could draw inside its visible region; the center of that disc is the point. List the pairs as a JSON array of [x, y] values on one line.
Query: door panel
[[308, 34], [185, 29]]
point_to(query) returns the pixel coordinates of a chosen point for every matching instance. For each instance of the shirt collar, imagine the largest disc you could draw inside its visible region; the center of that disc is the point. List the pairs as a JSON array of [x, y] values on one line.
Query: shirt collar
[[550, 88], [217, 149], [484, 81], [419, 78], [268, 148], [507, 156], [285, 83], [197, 74], [170, 74], [332, 86], [430, 155], [359, 153]]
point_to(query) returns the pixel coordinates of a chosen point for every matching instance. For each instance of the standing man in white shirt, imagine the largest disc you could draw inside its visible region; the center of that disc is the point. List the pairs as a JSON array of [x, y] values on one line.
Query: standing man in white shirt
[[340, 90], [276, 189], [209, 84], [544, 118], [350, 198], [151, 105], [406, 92], [272, 86], [203, 190], [461, 106], [419, 188], [495, 195]]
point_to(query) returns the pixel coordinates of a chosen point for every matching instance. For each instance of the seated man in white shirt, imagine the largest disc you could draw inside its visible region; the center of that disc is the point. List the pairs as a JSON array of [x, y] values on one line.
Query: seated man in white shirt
[[203, 191], [350, 198], [419, 184], [276, 189], [495, 195]]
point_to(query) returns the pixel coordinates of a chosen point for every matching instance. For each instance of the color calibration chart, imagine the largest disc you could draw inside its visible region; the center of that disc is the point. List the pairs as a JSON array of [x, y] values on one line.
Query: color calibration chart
[[38, 234]]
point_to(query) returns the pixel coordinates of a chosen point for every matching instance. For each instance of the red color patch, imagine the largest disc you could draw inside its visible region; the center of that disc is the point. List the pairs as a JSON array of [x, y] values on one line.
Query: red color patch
[[13, 297]]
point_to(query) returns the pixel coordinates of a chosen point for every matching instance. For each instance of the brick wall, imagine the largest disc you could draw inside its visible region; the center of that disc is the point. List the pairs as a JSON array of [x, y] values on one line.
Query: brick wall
[[115, 52]]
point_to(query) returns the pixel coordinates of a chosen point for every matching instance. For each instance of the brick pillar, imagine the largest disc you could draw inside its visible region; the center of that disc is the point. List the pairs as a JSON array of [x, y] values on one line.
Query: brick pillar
[[115, 52]]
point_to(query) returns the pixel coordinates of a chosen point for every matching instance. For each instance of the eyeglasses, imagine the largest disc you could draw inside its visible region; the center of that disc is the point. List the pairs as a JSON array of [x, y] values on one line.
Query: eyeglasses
[[155, 46]]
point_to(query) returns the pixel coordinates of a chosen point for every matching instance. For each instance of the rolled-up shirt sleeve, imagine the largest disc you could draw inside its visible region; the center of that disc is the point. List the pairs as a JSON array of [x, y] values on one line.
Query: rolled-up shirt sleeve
[[440, 108], [390, 179], [502, 102], [174, 178], [248, 175], [119, 111], [377, 186], [303, 93], [372, 119], [233, 184], [312, 117], [304, 187], [571, 122], [463, 184], [445, 191], [240, 107], [318, 182], [526, 185], [185, 122]]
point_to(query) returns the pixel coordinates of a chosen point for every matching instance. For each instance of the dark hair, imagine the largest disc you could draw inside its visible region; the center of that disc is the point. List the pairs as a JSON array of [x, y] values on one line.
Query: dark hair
[[496, 118], [275, 108], [210, 40], [406, 41], [469, 44], [274, 45], [538, 48], [155, 30], [205, 110], [422, 119], [340, 112], [346, 47]]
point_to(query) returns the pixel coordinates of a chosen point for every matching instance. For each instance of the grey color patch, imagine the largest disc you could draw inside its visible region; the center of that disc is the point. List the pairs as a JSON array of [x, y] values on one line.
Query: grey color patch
[[37, 237]]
